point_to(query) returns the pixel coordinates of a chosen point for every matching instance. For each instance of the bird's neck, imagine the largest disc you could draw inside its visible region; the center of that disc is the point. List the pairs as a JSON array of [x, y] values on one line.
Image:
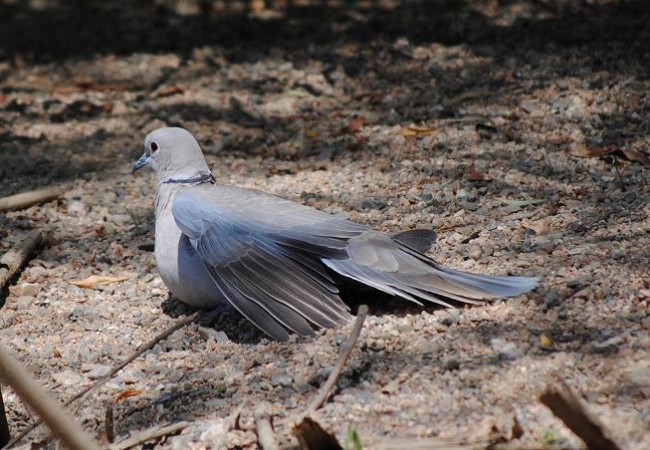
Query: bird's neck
[[193, 179]]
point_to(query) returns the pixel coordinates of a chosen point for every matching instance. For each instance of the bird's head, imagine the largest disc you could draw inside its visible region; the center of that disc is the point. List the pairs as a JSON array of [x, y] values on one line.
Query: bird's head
[[173, 154]]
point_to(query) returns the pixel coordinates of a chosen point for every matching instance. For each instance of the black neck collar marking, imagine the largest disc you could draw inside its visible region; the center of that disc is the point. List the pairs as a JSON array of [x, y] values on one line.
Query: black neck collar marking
[[205, 178]]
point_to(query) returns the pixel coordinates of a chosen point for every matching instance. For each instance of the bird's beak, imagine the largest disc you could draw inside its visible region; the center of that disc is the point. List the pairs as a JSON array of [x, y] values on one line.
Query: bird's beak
[[140, 163]]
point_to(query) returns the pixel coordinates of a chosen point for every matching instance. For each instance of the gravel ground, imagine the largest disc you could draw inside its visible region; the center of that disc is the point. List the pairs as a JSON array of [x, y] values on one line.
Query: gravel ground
[[474, 119]]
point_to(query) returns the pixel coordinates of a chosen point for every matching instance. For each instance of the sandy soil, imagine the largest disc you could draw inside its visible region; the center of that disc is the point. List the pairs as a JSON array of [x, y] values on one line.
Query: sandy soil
[[479, 119]]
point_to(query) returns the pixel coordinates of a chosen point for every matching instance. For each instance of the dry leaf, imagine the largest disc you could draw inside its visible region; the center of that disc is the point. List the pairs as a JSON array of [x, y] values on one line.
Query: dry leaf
[[424, 181], [355, 125], [310, 133], [629, 154], [374, 95], [98, 281], [538, 226], [126, 394], [521, 203], [636, 155], [472, 174], [558, 138], [414, 130], [257, 6], [168, 91], [299, 93], [465, 96], [546, 342], [583, 151], [83, 85]]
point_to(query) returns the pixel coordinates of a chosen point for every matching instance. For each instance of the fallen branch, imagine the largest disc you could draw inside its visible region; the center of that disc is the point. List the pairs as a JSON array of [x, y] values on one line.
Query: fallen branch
[[149, 435], [5, 437], [141, 350], [265, 436], [24, 384], [346, 350], [27, 199], [16, 258], [568, 408]]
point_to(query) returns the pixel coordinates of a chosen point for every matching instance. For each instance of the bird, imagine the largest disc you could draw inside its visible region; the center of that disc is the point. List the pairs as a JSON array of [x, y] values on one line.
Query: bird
[[278, 262]]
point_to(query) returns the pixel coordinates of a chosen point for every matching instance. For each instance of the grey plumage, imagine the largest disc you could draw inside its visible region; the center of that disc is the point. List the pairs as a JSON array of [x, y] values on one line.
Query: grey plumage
[[274, 259]]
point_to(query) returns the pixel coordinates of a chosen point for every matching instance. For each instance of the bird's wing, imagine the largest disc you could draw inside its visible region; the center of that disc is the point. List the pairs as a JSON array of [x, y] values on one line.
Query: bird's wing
[[263, 253]]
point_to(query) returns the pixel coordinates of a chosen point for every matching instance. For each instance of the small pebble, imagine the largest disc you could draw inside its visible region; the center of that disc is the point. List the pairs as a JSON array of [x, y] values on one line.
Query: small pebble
[[609, 346], [282, 379], [506, 350], [451, 364], [373, 203], [475, 252], [98, 371], [26, 289]]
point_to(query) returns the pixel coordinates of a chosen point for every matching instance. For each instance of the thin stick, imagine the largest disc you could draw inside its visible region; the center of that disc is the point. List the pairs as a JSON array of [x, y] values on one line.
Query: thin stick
[[27, 199], [109, 423], [620, 178], [265, 436], [438, 444], [148, 435], [141, 350], [52, 413], [5, 436], [16, 258], [340, 364], [568, 408]]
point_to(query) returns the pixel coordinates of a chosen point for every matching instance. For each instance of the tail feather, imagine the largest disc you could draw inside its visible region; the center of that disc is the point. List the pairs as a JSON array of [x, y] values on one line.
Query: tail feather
[[418, 278], [491, 286]]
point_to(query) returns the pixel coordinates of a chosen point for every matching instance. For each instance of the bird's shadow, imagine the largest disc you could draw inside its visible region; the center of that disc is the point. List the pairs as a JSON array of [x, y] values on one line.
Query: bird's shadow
[[223, 318]]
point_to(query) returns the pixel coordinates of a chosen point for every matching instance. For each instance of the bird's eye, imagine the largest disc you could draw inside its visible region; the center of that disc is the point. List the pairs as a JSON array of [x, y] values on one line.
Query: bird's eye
[[153, 146]]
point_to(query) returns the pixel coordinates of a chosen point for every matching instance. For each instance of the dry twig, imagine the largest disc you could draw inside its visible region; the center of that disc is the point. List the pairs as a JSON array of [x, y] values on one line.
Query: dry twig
[[148, 435], [27, 199], [326, 389], [348, 346], [566, 406], [71, 433], [141, 350], [265, 436], [16, 258]]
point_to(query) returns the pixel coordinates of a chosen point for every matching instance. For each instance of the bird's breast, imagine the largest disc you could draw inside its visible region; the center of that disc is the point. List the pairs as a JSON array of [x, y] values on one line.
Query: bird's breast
[[180, 267]]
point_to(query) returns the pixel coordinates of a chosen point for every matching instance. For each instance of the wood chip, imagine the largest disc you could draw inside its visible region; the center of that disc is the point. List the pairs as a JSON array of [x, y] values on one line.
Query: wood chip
[[567, 407]]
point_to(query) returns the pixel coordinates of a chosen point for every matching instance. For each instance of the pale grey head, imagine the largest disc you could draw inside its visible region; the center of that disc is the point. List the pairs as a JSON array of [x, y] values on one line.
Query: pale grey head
[[173, 154]]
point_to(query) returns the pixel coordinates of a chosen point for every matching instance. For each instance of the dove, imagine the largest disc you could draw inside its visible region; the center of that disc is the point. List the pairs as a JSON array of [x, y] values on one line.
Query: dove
[[278, 262]]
